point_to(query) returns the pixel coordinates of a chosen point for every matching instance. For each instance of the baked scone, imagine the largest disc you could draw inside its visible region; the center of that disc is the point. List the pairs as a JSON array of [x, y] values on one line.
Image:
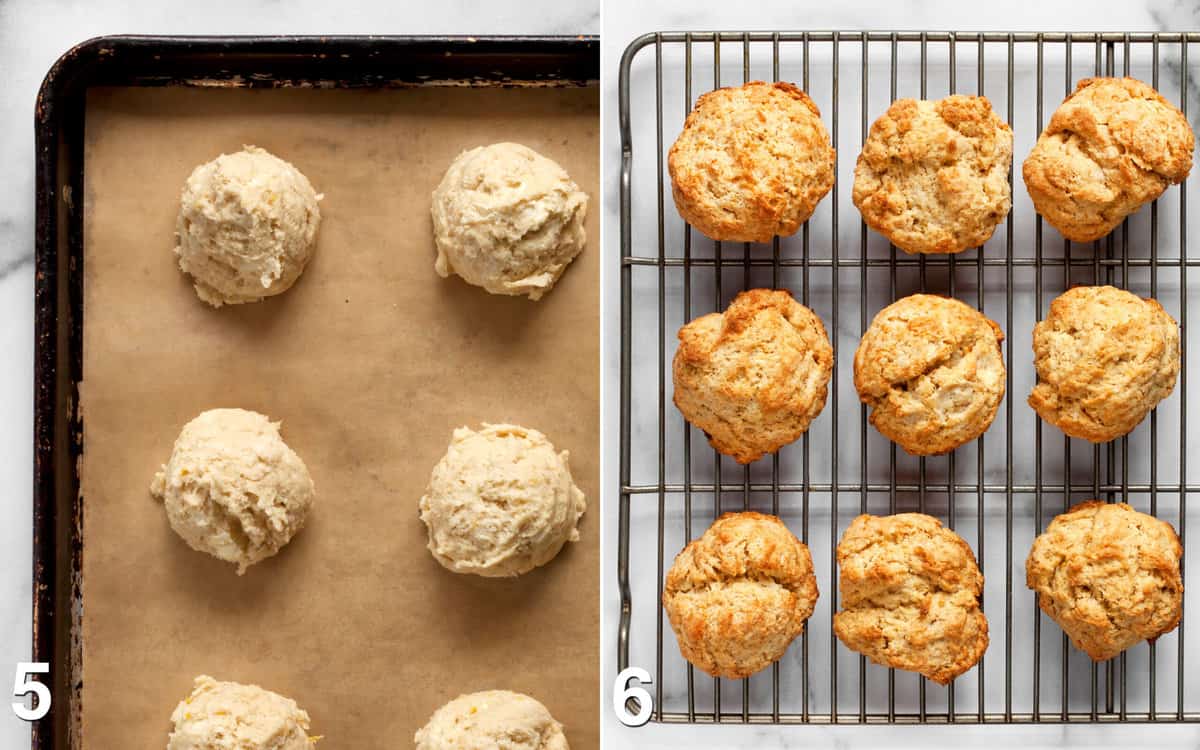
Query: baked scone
[[247, 226], [754, 377], [740, 594], [507, 219], [492, 720], [1112, 146], [910, 596], [233, 488], [1108, 575], [752, 162], [931, 370], [231, 716], [1104, 359], [933, 175]]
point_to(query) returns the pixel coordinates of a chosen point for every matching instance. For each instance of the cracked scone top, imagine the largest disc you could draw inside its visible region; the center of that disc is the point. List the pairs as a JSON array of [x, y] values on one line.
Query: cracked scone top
[[1112, 146], [740, 594], [501, 502], [1104, 359], [507, 219], [233, 488], [492, 720], [754, 377], [1108, 575], [247, 227], [931, 370], [752, 162], [933, 175], [910, 596], [229, 716]]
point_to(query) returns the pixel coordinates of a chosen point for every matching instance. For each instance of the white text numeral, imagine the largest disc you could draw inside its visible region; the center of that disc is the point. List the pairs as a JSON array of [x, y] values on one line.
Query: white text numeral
[[623, 694], [23, 686]]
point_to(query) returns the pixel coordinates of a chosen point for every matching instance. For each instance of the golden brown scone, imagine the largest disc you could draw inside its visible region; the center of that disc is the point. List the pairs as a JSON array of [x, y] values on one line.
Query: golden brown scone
[[1108, 575], [1104, 359], [1111, 146], [754, 377], [752, 162], [910, 596], [738, 595], [931, 370], [933, 175]]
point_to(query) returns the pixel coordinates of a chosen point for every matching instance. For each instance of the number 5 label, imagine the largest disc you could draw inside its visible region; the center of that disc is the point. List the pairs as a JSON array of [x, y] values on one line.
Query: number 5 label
[[23, 686], [623, 693]]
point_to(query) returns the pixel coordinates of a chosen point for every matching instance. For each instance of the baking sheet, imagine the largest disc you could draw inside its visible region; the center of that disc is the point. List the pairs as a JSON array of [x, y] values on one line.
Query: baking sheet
[[371, 361]]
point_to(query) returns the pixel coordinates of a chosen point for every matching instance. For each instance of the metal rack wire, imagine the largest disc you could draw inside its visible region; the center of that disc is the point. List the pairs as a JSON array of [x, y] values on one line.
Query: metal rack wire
[[998, 492]]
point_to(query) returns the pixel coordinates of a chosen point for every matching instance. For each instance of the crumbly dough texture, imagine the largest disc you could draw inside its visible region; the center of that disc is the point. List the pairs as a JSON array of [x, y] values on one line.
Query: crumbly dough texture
[[507, 219], [501, 502], [754, 377], [492, 720], [233, 488], [933, 175], [932, 372], [752, 162], [1104, 359], [230, 716], [1108, 575], [910, 596], [740, 594], [1112, 146], [247, 227]]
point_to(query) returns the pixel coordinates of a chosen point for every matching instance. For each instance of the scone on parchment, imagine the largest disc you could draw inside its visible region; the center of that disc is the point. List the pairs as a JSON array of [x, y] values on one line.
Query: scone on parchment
[[754, 377], [910, 596], [740, 594], [752, 162], [1112, 146], [492, 720], [1108, 575], [933, 175], [931, 370], [1104, 359], [230, 716]]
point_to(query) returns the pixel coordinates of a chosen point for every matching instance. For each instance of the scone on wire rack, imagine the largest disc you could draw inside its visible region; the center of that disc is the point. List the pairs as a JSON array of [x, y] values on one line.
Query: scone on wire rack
[[754, 377], [1109, 576], [933, 175], [911, 591], [1104, 357], [932, 372], [1112, 146], [740, 594], [752, 162]]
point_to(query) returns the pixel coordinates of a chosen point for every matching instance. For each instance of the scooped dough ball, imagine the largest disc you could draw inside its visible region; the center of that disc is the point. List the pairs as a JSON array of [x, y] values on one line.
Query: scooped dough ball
[[507, 219], [501, 502], [233, 488], [492, 720], [229, 716], [247, 226]]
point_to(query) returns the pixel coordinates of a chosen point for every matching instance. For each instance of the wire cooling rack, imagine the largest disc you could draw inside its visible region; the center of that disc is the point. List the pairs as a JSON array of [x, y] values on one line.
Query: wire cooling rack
[[999, 491]]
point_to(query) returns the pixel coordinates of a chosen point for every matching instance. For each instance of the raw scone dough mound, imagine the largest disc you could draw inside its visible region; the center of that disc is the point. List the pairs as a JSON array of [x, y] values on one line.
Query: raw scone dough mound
[[229, 716], [1104, 359], [1112, 146], [233, 488], [501, 502], [740, 594], [1108, 575], [507, 219], [752, 162], [247, 226], [933, 175], [910, 596], [492, 720], [931, 370], [754, 377]]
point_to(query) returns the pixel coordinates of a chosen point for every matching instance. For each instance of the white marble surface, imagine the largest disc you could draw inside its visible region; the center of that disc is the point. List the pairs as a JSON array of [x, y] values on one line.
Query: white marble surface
[[33, 33]]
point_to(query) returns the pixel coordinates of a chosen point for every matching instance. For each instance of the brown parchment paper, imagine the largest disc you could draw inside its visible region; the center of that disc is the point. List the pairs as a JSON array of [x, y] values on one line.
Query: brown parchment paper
[[371, 361]]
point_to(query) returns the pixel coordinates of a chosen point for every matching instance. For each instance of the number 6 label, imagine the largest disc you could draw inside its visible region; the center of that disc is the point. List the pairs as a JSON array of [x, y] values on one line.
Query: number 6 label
[[623, 693], [22, 686]]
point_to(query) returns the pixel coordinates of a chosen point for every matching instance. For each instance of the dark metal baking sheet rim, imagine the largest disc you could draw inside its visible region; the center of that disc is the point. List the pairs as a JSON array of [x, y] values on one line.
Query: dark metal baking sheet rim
[[226, 62]]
